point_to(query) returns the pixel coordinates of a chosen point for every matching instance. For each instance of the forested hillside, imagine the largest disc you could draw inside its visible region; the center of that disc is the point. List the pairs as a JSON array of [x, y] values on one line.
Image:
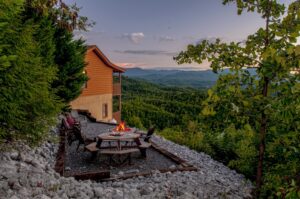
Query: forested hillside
[[145, 104], [179, 115]]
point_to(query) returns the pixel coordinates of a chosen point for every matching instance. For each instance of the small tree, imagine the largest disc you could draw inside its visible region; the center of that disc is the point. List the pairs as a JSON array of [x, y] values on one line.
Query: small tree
[[241, 99], [69, 57]]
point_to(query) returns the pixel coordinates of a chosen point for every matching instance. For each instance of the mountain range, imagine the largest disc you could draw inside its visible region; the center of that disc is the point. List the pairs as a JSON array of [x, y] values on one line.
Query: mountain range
[[178, 78]]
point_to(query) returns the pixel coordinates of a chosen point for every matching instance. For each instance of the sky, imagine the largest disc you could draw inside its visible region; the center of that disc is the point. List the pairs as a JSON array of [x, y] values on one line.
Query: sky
[[148, 33]]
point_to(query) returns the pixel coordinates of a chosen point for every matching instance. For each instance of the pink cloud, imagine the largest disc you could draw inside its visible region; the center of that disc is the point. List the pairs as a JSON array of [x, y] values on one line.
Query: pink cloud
[[131, 65]]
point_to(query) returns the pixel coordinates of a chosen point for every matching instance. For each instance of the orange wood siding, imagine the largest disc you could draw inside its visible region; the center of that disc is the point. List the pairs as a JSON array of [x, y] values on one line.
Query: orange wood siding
[[100, 76]]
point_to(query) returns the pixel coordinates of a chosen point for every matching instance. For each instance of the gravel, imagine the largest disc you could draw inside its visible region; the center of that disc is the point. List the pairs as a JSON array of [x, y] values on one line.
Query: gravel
[[28, 173], [81, 162]]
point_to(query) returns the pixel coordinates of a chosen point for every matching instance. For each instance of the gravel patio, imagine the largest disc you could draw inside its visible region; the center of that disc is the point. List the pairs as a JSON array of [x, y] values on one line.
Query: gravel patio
[[78, 163]]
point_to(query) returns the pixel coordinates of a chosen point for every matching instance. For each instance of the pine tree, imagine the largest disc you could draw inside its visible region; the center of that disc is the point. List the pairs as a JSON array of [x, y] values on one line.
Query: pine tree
[[27, 104], [69, 56], [67, 53]]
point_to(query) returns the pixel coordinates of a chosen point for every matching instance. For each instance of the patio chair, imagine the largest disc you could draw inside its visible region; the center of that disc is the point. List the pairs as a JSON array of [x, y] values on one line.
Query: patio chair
[[79, 117], [76, 135], [64, 124], [149, 134], [68, 122], [145, 144]]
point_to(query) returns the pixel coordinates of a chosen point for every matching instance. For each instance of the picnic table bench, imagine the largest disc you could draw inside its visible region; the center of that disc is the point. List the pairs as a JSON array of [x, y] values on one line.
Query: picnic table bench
[[141, 141], [119, 149]]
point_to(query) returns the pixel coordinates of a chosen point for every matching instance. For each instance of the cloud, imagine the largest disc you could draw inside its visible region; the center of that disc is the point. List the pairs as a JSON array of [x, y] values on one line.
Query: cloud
[[166, 39], [135, 37], [131, 65], [147, 52]]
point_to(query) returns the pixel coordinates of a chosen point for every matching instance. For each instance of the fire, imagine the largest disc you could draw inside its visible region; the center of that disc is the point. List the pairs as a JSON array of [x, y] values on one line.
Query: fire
[[122, 127]]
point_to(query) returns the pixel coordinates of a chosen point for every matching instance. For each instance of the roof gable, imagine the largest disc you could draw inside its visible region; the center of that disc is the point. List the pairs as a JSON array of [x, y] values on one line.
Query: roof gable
[[100, 54]]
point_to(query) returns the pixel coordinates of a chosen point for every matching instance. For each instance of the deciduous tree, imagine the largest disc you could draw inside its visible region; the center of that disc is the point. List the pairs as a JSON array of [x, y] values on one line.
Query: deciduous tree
[[260, 101]]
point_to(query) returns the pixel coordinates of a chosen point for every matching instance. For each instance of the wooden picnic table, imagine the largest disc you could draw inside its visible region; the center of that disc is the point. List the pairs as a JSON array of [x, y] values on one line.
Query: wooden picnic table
[[118, 150], [124, 137]]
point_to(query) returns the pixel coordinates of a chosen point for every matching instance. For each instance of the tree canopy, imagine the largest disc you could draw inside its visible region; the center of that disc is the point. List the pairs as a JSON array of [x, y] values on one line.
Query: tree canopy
[[41, 65], [265, 105]]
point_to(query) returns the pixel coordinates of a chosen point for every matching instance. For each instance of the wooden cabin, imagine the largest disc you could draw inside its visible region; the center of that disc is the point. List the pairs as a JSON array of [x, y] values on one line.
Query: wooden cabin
[[101, 95]]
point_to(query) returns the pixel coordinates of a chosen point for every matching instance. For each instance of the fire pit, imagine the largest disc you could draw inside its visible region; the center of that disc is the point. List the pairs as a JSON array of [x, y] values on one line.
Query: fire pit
[[120, 129]]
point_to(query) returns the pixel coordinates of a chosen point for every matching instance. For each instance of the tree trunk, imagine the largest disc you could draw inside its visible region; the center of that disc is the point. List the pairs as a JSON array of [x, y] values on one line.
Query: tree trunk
[[262, 144], [263, 122]]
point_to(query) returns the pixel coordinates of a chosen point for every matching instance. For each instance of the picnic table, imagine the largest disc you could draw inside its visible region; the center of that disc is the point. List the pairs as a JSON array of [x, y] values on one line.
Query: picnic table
[[118, 138], [124, 144], [118, 149]]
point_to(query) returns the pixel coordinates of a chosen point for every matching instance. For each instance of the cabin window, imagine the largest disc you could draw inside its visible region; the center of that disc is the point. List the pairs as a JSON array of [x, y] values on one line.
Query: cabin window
[[104, 110]]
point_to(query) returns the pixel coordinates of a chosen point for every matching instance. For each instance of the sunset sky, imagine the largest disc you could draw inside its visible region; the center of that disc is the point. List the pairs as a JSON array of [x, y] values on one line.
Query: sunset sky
[[148, 33]]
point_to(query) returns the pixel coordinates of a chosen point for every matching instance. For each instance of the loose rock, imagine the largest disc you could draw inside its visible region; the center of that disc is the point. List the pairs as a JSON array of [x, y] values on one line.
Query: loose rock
[[28, 173]]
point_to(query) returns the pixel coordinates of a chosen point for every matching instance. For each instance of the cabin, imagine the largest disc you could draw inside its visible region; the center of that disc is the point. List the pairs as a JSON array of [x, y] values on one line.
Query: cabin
[[101, 94]]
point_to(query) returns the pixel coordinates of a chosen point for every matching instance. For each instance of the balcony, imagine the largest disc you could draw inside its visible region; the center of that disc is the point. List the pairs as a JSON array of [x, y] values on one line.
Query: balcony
[[117, 89]]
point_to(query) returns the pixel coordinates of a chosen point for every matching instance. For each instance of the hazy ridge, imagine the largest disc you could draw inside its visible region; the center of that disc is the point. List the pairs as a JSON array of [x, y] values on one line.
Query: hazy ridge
[[178, 78]]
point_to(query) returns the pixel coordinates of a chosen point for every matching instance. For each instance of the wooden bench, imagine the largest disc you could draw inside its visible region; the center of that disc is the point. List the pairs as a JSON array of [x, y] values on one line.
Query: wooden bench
[[143, 148], [144, 145], [92, 147], [113, 151]]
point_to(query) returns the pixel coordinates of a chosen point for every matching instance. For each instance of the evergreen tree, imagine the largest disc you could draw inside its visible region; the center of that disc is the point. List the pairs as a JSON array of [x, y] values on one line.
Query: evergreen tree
[[27, 104], [69, 56], [67, 53]]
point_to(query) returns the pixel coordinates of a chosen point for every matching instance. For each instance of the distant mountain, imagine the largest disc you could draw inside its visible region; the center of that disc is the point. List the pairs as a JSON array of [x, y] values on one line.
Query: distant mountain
[[195, 79]]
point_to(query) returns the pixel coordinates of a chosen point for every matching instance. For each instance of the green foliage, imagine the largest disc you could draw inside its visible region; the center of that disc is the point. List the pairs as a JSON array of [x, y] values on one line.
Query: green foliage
[[160, 106], [40, 66], [58, 45], [27, 105], [136, 122], [62, 15], [248, 111], [69, 56]]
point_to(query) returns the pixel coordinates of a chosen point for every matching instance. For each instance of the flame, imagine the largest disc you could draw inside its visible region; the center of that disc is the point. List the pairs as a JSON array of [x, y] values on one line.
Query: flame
[[122, 127]]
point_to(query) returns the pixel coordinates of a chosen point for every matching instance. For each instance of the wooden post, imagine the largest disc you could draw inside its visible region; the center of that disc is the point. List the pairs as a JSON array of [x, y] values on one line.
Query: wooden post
[[120, 104]]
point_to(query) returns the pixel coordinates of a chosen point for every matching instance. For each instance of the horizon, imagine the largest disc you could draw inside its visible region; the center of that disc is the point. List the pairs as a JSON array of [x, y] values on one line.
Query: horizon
[[191, 69]]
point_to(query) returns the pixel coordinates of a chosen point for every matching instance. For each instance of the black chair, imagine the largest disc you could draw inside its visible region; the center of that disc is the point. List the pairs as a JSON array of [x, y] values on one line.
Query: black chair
[[76, 135], [149, 134], [145, 144]]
